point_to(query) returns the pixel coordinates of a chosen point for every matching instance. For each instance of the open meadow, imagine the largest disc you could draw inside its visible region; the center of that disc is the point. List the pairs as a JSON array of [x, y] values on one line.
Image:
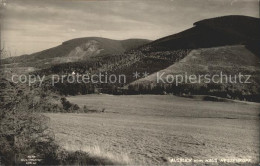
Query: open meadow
[[152, 129]]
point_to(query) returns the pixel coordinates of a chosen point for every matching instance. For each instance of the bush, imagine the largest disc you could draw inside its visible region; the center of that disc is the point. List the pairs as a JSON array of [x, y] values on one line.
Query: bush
[[21, 134], [24, 131]]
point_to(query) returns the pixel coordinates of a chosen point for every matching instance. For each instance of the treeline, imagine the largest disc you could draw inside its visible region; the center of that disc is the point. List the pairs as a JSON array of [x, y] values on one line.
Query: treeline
[[220, 90], [229, 91]]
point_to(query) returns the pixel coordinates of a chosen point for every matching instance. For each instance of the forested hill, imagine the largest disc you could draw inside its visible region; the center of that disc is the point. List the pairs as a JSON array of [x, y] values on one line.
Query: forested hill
[[213, 32], [216, 35], [75, 50]]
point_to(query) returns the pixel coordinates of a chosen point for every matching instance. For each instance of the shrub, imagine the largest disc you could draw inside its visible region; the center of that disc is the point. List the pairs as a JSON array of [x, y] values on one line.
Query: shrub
[[85, 109], [24, 132]]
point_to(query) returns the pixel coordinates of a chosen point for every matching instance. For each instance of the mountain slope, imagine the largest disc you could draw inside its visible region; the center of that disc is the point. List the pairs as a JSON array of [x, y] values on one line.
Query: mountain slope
[[75, 50], [228, 60], [209, 33], [227, 44], [214, 32]]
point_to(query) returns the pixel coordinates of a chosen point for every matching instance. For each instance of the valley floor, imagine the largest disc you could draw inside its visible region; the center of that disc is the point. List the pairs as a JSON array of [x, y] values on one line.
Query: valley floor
[[151, 129]]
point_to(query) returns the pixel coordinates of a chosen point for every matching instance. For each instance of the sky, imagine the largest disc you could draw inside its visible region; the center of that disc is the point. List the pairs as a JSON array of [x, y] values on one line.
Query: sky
[[34, 25]]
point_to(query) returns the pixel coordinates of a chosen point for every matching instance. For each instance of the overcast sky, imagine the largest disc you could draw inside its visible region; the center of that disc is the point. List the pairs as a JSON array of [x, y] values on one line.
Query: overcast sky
[[35, 25]]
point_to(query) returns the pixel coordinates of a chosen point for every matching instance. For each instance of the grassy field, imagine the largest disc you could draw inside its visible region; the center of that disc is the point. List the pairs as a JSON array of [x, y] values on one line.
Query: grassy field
[[150, 129]]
